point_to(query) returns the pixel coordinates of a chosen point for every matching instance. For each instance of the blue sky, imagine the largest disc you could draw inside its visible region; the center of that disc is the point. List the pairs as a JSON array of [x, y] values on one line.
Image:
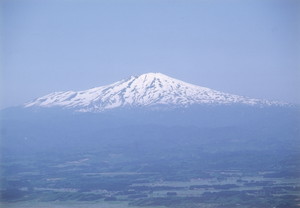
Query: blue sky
[[249, 48]]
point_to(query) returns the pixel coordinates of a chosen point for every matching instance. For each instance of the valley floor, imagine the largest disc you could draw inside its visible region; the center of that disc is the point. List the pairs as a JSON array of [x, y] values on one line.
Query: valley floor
[[114, 181]]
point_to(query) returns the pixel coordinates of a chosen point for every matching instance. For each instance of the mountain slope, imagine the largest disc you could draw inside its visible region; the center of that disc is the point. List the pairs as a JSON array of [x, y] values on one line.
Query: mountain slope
[[146, 90]]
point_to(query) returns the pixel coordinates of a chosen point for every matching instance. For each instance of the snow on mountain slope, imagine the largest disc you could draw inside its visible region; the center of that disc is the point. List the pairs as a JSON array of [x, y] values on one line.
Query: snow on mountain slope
[[145, 90]]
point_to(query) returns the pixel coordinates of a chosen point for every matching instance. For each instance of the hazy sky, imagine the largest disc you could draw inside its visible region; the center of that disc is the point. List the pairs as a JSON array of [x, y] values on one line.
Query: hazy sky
[[249, 48]]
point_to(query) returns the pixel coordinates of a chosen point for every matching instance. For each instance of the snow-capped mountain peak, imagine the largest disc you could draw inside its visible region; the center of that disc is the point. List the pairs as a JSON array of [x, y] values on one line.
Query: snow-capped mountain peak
[[146, 90]]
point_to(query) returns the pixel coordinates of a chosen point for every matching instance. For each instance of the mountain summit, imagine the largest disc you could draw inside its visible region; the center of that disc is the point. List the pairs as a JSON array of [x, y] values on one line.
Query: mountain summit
[[146, 90]]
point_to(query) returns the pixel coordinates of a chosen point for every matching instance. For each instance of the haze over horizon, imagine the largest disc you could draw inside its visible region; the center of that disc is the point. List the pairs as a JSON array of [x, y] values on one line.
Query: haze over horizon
[[149, 103], [248, 48]]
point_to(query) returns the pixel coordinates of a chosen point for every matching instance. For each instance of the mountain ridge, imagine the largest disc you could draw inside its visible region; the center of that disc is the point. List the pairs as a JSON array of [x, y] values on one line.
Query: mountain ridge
[[146, 90]]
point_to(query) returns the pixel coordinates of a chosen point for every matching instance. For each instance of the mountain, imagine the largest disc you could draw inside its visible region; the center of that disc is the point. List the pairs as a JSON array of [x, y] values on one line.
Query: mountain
[[134, 154], [189, 112], [147, 90]]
